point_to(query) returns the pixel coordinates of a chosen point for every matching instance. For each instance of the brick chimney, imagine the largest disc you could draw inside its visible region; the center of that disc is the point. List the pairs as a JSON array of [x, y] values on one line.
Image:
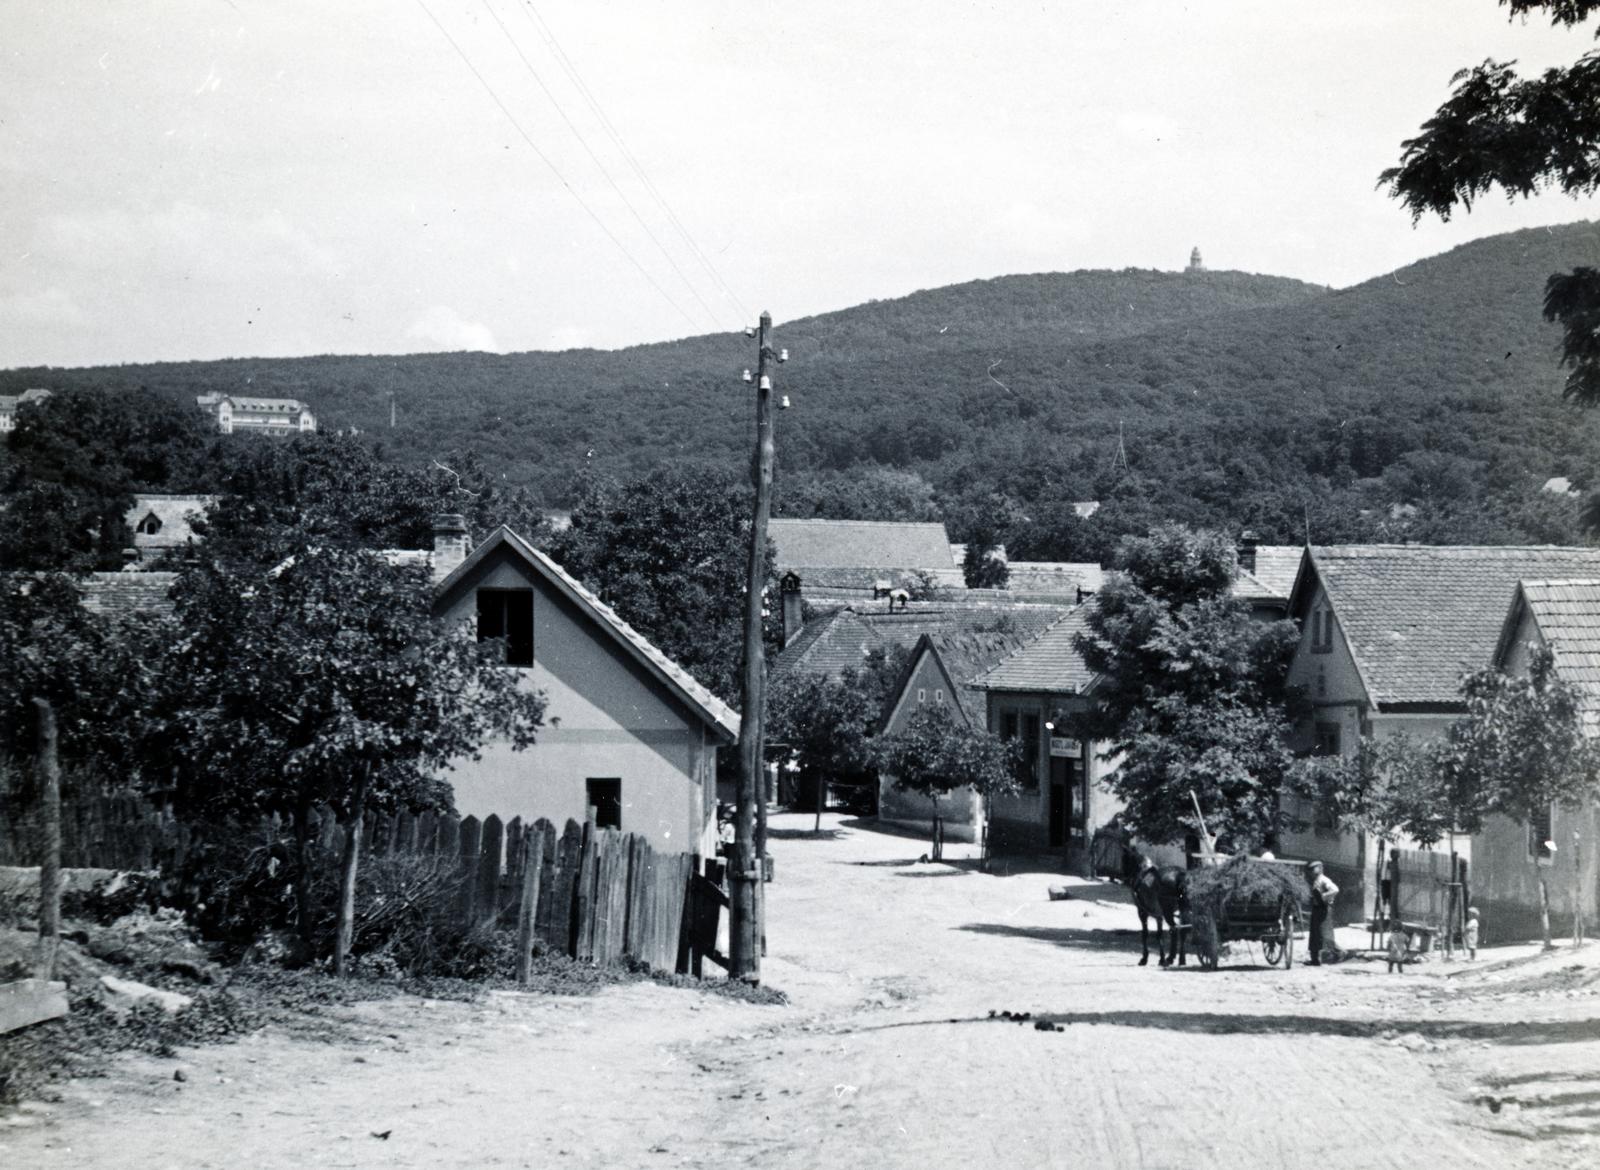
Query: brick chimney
[[792, 619], [1247, 550], [451, 543]]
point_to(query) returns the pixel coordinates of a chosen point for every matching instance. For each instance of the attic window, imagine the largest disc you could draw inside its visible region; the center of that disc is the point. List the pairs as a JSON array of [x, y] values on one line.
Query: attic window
[[150, 525], [1321, 631], [508, 614], [922, 695], [938, 695]]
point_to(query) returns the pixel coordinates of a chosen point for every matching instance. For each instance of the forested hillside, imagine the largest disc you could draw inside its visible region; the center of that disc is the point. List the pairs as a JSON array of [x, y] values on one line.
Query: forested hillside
[[1422, 404]]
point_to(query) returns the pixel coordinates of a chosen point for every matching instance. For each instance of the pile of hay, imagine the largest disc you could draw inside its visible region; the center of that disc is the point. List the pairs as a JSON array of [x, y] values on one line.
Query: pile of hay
[[1243, 881]]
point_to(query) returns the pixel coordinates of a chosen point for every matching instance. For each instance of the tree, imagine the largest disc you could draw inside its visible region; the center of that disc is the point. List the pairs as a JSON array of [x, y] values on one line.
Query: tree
[[667, 552], [1521, 748], [1397, 786], [937, 753], [74, 461], [1192, 692], [328, 681], [1523, 135]]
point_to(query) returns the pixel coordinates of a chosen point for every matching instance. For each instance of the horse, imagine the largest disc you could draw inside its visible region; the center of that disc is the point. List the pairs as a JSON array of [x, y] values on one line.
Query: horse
[[1160, 893]]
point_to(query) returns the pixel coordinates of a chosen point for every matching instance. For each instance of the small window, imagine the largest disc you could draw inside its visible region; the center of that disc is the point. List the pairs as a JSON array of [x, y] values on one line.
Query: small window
[[1539, 832], [150, 525], [922, 695], [1327, 741], [605, 802], [1321, 631], [938, 695], [508, 614]]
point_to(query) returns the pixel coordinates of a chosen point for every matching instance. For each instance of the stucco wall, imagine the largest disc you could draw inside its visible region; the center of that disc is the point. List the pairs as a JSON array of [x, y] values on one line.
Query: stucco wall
[[1504, 881], [607, 718], [962, 811]]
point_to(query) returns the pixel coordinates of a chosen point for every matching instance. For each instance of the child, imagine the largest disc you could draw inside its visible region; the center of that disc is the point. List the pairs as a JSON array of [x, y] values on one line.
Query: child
[[1397, 948], [1472, 933]]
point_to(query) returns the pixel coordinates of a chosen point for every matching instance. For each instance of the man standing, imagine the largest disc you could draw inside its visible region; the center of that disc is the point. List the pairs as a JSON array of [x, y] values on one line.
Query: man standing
[[1323, 894]]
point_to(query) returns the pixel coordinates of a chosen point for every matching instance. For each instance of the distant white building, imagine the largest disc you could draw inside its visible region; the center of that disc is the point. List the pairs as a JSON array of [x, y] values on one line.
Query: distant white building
[[236, 414], [10, 402]]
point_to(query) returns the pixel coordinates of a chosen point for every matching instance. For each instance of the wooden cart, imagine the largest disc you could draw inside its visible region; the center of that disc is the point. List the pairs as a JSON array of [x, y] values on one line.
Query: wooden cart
[[1271, 923]]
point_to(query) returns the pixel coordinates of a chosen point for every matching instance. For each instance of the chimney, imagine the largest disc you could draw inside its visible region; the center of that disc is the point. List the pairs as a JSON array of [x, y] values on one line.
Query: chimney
[[792, 618], [450, 543], [1247, 550]]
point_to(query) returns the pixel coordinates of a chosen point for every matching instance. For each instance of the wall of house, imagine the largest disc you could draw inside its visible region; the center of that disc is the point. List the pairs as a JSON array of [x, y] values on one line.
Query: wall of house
[[1504, 880], [607, 718], [961, 811]]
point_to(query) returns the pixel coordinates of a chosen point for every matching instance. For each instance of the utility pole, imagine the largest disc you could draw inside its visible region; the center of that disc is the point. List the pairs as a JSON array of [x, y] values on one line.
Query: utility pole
[[745, 929]]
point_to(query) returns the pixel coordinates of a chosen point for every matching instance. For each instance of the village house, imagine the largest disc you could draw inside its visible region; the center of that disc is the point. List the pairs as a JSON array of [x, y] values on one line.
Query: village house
[[1387, 634], [10, 403], [1563, 616], [163, 522], [847, 561], [239, 414], [629, 734]]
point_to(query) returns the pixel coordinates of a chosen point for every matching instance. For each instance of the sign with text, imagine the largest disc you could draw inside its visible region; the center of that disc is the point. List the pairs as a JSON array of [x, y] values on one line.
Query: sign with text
[[1060, 746]]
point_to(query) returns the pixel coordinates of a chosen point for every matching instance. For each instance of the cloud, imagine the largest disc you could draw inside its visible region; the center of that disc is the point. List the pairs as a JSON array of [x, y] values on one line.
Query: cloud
[[445, 329]]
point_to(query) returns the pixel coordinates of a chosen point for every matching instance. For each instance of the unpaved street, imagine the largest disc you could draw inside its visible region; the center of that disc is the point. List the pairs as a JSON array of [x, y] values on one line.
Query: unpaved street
[[886, 1055]]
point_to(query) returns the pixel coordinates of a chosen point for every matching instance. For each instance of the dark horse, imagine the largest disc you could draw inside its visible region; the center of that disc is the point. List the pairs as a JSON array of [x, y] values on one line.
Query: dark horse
[[1159, 893]]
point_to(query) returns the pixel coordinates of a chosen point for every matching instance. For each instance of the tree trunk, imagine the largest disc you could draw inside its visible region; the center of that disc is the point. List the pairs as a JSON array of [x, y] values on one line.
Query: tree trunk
[[1544, 908], [347, 870], [936, 851], [302, 876], [50, 842], [1577, 889]]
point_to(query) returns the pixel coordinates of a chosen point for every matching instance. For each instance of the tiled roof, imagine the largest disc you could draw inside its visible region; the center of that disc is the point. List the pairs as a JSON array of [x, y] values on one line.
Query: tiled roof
[[1054, 577], [1277, 565], [176, 514], [827, 645], [1418, 617], [127, 594], [1050, 663], [857, 544], [293, 405], [695, 694], [1568, 616]]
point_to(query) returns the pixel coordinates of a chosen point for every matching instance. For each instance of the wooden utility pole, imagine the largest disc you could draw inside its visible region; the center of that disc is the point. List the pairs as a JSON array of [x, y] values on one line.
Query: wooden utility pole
[[745, 930], [50, 839]]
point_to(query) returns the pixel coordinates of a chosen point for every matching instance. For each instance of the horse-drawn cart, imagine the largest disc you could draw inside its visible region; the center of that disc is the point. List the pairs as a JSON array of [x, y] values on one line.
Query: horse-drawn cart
[[1244, 900]]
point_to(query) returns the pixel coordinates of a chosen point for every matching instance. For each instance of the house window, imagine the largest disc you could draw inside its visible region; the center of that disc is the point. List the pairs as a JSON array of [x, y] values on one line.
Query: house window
[[938, 695], [1540, 829], [1327, 741], [508, 614], [150, 525], [605, 802], [1026, 729], [1321, 630], [922, 695]]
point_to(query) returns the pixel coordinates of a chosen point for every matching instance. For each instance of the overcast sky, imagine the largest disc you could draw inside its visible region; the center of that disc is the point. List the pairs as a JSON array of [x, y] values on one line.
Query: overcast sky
[[227, 178]]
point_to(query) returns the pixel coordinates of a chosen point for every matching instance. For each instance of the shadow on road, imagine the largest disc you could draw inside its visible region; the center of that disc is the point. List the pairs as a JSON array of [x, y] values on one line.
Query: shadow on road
[[803, 834]]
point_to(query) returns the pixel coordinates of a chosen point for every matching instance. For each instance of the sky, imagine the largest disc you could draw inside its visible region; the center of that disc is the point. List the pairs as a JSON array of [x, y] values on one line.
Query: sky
[[187, 179]]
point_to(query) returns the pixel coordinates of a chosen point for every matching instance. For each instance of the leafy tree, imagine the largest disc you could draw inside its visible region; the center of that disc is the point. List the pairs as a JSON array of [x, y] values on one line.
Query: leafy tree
[[827, 721], [1192, 691], [74, 461], [1397, 786], [937, 754], [328, 681], [667, 551], [1523, 135], [1521, 748]]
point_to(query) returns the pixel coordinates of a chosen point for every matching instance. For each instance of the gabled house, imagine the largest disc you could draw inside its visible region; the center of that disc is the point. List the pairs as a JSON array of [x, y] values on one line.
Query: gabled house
[[1563, 616], [847, 561], [1062, 799], [629, 733], [940, 671], [1387, 633], [162, 522]]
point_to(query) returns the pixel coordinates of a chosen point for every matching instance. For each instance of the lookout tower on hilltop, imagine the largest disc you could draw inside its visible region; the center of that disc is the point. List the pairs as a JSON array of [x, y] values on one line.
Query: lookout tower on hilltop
[[1195, 263]]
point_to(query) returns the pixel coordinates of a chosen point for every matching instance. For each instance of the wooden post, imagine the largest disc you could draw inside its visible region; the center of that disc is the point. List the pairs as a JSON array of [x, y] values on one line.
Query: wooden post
[[1577, 888], [745, 913], [49, 766], [583, 933], [532, 864], [347, 871]]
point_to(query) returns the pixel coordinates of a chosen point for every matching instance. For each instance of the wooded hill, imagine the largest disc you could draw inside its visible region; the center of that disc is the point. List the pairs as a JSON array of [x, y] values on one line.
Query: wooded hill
[[1422, 404]]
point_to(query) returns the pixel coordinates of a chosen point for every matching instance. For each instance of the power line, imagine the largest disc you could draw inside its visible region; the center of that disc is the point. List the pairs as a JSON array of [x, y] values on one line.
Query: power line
[[549, 37], [533, 146], [584, 142]]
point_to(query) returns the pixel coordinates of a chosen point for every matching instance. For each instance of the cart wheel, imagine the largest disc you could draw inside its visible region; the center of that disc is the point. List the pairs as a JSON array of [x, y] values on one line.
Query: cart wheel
[[1288, 938], [1271, 949]]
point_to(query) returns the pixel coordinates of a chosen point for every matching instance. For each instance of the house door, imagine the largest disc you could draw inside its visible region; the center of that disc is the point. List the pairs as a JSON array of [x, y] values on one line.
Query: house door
[[1060, 801]]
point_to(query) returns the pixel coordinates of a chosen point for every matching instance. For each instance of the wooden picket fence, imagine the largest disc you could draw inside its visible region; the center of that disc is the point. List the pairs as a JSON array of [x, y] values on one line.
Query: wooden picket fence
[[597, 895]]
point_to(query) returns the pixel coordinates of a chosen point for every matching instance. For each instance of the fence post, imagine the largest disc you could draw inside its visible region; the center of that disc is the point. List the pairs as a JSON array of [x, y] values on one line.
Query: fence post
[[471, 837], [50, 843], [583, 943], [532, 863], [485, 901]]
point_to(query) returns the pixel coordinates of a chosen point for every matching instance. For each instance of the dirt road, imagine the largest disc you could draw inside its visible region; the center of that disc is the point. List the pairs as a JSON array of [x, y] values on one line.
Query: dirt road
[[886, 1055]]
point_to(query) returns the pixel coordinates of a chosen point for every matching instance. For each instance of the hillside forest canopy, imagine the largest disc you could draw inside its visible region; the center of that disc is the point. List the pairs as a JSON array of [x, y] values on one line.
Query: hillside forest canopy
[[1423, 405]]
